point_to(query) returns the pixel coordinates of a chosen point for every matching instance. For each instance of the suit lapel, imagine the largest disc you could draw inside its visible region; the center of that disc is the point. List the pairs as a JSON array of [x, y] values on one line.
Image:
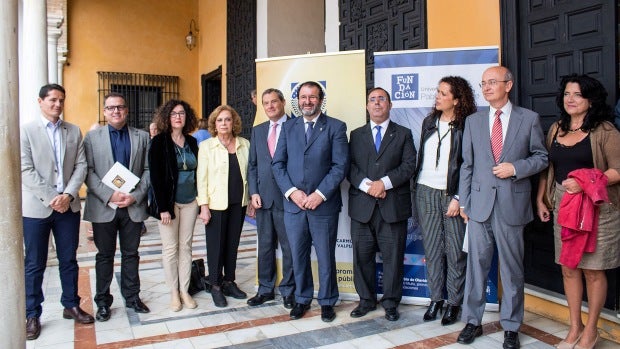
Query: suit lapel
[[387, 139], [106, 145], [63, 141], [514, 124], [485, 137], [133, 139], [318, 128]]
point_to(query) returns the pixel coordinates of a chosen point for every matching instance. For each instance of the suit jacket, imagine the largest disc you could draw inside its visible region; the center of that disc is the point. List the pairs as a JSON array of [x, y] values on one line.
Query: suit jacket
[[39, 169], [260, 176], [320, 164], [212, 172], [163, 169], [396, 159], [523, 147], [98, 148]]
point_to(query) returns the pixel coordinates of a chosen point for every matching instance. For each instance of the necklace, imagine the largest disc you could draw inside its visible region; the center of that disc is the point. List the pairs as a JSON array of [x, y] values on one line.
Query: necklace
[[574, 130], [181, 152], [440, 139], [226, 145]]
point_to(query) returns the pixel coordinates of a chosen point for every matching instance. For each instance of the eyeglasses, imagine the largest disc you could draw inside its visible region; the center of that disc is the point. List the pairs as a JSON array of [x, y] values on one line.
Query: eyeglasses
[[380, 99], [491, 82], [114, 107], [179, 115]]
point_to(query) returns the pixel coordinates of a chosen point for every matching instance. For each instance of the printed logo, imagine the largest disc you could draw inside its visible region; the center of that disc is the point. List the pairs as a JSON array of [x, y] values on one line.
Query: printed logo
[[405, 87]]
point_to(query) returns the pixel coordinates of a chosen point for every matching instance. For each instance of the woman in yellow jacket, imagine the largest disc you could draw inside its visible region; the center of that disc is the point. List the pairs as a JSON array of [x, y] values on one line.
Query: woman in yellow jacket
[[223, 197]]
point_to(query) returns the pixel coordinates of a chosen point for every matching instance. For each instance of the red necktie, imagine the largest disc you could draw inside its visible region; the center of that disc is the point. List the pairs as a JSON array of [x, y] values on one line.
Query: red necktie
[[271, 140], [496, 136]]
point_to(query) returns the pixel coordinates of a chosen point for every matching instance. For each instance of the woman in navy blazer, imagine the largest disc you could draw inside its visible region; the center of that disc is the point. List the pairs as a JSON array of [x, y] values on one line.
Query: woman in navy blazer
[[172, 162]]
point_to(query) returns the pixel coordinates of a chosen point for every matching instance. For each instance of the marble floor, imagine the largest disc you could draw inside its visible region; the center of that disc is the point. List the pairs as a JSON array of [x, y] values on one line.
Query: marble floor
[[241, 326]]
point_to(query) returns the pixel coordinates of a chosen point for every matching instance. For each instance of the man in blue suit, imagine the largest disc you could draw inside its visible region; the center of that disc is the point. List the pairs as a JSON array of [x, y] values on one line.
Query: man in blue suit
[[267, 201], [310, 161]]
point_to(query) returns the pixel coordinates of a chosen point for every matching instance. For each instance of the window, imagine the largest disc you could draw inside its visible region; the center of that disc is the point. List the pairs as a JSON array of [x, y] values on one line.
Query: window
[[143, 94]]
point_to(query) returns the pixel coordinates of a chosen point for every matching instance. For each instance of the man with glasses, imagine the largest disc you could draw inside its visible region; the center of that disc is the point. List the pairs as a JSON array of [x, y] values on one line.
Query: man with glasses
[[383, 159], [105, 146], [53, 170], [503, 146], [311, 160]]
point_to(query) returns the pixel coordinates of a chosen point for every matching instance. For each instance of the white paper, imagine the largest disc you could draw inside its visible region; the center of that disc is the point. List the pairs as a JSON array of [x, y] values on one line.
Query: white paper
[[119, 178], [465, 241]]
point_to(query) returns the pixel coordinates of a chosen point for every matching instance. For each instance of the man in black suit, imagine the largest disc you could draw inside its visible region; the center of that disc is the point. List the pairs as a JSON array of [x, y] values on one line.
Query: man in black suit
[[267, 203], [382, 163]]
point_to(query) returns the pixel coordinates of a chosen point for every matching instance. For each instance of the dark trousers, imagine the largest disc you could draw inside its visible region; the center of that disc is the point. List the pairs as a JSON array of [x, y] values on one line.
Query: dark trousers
[[270, 223], [223, 234], [105, 234], [65, 227], [304, 231], [368, 239]]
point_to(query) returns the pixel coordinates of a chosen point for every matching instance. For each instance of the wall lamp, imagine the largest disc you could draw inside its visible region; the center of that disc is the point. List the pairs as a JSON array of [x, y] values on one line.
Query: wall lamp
[[190, 38]]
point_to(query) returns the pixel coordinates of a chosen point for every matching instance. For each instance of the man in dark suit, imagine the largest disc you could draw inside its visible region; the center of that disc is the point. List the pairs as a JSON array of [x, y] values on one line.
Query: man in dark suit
[[502, 147], [104, 146], [310, 162], [53, 170], [267, 202], [383, 160]]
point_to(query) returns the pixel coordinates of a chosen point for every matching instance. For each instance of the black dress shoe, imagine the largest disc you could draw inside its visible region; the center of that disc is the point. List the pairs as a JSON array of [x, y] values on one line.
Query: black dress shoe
[[218, 297], [260, 299], [138, 306], [511, 340], [431, 312], [327, 313], [299, 310], [230, 289], [103, 313], [391, 314], [288, 301], [33, 328], [469, 333], [77, 314], [451, 315], [361, 310]]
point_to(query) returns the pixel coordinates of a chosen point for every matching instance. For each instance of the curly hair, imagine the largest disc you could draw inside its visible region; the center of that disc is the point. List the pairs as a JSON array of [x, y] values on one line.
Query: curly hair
[[595, 93], [162, 116], [236, 119], [461, 90]]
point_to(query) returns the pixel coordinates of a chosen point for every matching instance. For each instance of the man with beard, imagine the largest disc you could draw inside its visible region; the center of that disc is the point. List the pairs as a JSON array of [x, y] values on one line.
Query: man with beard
[[310, 161]]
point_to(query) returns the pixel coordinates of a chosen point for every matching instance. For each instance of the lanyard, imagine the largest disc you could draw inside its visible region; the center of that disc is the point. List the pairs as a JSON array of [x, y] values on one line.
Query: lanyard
[[440, 138]]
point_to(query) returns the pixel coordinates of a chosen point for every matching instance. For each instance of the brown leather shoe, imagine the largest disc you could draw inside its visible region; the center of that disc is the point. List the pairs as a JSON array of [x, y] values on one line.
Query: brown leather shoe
[[33, 328], [77, 314]]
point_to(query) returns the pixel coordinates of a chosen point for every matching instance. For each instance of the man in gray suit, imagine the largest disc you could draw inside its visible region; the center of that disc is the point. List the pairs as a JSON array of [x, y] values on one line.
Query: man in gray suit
[[267, 203], [104, 146], [53, 170], [382, 162], [502, 147]]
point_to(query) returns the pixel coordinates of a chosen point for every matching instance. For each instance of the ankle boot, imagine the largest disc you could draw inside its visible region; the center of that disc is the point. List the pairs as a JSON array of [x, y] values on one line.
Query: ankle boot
[[433, 308], [187, 299]]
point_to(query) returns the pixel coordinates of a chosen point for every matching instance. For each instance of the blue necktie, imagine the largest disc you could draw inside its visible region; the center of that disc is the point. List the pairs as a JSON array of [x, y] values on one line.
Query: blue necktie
[[309, 130], [378, 138]]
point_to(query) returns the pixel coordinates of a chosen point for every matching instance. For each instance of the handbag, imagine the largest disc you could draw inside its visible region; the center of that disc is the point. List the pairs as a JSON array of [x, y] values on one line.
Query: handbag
[[197, 281], [152, 208]]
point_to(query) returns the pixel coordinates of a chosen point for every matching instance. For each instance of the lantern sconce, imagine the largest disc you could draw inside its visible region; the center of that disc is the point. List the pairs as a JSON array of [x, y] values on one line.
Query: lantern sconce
[[190, 38]]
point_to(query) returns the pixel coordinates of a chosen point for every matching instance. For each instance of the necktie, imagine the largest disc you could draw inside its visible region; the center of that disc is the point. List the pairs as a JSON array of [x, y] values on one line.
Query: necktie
[[309, 130], [378, 138], [271, 140], [496, 136]]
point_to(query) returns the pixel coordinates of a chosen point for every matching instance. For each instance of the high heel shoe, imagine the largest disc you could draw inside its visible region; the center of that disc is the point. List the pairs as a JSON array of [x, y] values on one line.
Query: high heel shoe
[[433, 308], [565, 345], [175, 302], [189, 302], [577, 346]]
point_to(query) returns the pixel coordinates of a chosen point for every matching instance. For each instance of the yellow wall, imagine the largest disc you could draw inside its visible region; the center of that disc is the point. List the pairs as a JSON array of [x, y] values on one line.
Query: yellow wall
[[212, 41], [458, 23], [137, 36]]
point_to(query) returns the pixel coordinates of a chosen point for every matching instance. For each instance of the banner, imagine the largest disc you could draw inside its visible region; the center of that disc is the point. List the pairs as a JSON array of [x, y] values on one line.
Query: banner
[[342, 76], [411, 78]]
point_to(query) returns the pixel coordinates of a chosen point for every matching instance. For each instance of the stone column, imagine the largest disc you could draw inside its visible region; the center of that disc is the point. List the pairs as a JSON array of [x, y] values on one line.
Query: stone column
[[53, 33], [12, 317], [32, 57]]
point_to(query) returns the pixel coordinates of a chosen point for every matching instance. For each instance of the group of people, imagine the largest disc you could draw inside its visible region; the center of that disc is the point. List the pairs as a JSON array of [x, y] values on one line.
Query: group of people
[[473, 169]]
